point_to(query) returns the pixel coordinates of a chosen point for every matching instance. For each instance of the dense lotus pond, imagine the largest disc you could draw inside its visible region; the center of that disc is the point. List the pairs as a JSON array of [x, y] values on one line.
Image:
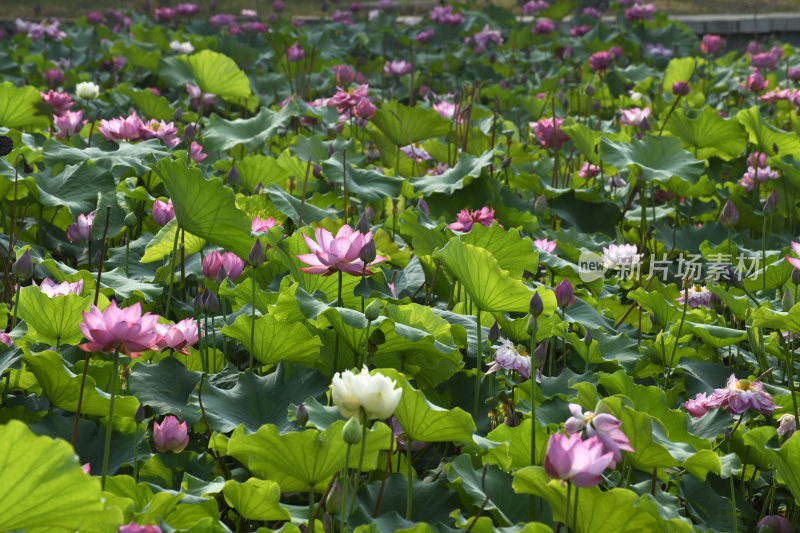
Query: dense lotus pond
[[478, 273]]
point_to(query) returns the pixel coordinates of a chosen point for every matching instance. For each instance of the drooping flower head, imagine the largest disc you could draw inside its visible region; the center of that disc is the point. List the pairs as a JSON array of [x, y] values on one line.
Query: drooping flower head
[[126, 330], [604, 425], [511, 357], [331, 254], [570, 458], [787, 425], [466, 218]]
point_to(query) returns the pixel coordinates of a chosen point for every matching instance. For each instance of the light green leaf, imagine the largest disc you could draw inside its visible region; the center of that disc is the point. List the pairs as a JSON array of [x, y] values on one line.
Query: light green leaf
[[218, 74], [161, 245], [151, 105], [55, 321], [270, 340], [19, 107], [708, 134], [766, 136], [455, 178], [512, 251], [415, 123], [679, 69], [256, 499], [785, 458], [660, 159]]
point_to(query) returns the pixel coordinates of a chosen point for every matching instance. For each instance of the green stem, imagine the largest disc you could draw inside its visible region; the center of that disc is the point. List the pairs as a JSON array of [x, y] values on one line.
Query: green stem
[[575, 510], [127, 249], [790, 377], [344, 488], [16, 305], [677, 337], [409, 470], [110, 424], [566, 510], [478, 372], [733, 507], [366, 344], [764, 253], [136, 453], [172, 271], [311, 521], [532, 499], [360, 454], [253, 322]]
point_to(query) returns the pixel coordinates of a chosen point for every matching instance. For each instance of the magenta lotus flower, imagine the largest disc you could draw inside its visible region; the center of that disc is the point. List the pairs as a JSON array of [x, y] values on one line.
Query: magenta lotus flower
[[534, 6], [794, 261], [756, 83], [508, 356], [710, 44], [640, 12], [60, 102], [545, 245], [466, 218], [579, 31], [93, 17], [52, 289], [121, 129], [344, 74], [569, 458], [346, 100], [738, 396], [697, 406], [53, 77], [82, 229], [68, 123], [187, 8], [126, 330], [548, 132], [222, 19], [765, 60], [170, 435], [603, 425], [331, 254], [295, 52], [164, 14], [600, 60], [365, 109], [774, 523], [259, 226], [159, 129], [396, 68], [757, 175], [133, 527], [565, 294], [163, 212], [177, 336], [543, 27], [197, 96], [479, 40], [425, 36], [445, 15], [213, 262], [588, 170], [6, 339], [196, 152]]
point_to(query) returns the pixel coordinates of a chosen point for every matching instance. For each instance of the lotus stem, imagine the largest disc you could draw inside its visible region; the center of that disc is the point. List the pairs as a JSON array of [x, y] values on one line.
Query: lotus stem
[[311, 517], [478, 362], [566, 509], [360, 458], [253, 321], [790, 378], [172, 271], [575, 510], [532, 350], [677, 336], [345, 477], [409, 473], [110, 424]]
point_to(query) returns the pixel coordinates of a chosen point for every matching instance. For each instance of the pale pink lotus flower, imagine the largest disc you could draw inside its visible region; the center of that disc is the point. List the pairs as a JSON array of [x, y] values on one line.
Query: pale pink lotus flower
[[534, 6], [81, 230], [617, 255], [60, 102], [68, 123], [697, 406], [126, 330], [787, 425], [603, 425], [164, 14], [87, 468], [170, 435], [196, 152], [738, 396], [222, 19], [155, 129], [396, 68], [698, 296], [794, 261], [187, 8], [548, 132], [213, 262], [121, 129], [466, 218], [249, 13], [163, 212], [260, 226], [445, 109], [365, 109], [445, 15], [569, 458], [545, 245], [757, 175], [588, 170], [483, 37], [634, 116], [510, 357], [177, 336], [52, 289], [640, 12], [345, 100], [331, 254], [197, 96]]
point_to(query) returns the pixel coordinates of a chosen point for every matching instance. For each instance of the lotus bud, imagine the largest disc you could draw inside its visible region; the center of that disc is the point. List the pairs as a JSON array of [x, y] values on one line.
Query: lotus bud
[[170, 436], [198, 304], [787, 302], [565, 294], [373, 310], [531, 325], [256, 257], [368, 252], [139, 415], [774, 523], [775, 148], [587, 340], [210, 302], [369, 212], [644, 125], [589, 90], [351, 433], [23, 266], [730, 215], [680, 88], [233, 176], [796, 276], [363, 224], [771, 202], [26, 167], [536, 306], [335, 499], [301, 415], [259, 188], [221, 274], [540, 206], [188, 133], [422, 205], [317, 171], [540, 353], [494, 332], [331, 150], [178, 114]]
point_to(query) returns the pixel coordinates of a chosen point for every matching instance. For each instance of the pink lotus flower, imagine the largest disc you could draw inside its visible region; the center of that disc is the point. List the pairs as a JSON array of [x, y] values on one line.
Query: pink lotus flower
[[164, 14], [126, 330], [445, 15], [787, 425], [196, 152], [588, 171], [163, 212], [6, 339], [534, 6], [698, 406], [249, 13], [93, 17], [155, 129], [699, 296], [197, 97], [445, 109], [82, 229], [600, 60], [177, 336], [794, 261], [213, 262], [60, 102], [87, 468], [545, 245], [330, 254], [543, 27], [53, 77], [465, 219], [774, 523], [68, 123], [295, 52], [187, 8], [346, 100], [259, 226], [640, 12], [510, 357], [569, 458], [579, 31], [604, 425], [364, 109], [396, 68], [548, 132], [739, 396], [426, 36], [52, 289], [793, 74], [634, 116], [223, 19], [756, 83], [710, 44], [170, 436], [344, 74], [765, 60], [757, 175], [416, 152], [133, 527], [121, 129], [483, 37]]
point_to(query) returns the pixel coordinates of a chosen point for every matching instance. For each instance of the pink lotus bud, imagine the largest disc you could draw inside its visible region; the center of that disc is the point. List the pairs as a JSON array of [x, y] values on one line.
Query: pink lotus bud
[[170, 435]]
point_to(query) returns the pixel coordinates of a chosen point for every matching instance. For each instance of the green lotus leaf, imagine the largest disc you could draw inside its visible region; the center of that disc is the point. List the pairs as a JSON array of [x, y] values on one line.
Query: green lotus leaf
[[269, 341], [19, 107], [708, 134], [415, 123], [221, 134], [367, 185], [784, 457], [128, 155], [256, 499], [218, 74], [54, 321], [165, 387], [766, 136], [76, 187], [146, 101], [161, 245], [659, 159], [455, 178]]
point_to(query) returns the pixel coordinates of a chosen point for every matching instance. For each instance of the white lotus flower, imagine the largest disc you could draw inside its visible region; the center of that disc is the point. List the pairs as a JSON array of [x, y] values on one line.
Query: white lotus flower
[[617, 255], [181, 48], [87, 90], [376, 394]]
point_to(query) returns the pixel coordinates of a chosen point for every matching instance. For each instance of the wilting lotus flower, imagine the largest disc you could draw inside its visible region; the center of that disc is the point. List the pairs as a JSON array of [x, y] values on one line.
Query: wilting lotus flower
[[465, 219], [569, 458], [170, 435], [341, 253], [616, 255], [87, 90], [699, 296], [739, 396], [196, 152], [545, 245], [787, 425], [231, 262], [259, 226], [163, 212], [60, 102], [68, 123], [177, 336], [52, 289], [604, 425], [126, 330], [121, 129], [82, 229], [375, 395], [295, 52], [508, 356]]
